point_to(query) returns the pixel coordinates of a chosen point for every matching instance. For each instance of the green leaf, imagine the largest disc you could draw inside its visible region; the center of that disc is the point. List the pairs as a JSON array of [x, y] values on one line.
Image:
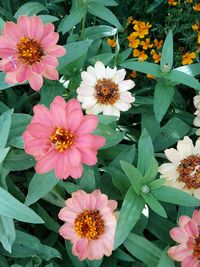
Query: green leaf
[[105, 58], [154, 204], [74, 51], [1, 24], [183, 78], [5, 122], [19, 124], [129, 215], [166, 60], [107, 3], [127, 155], [152, 171], [112, 136], [143, 250], [192, 69], [175, 196], [165, 260], [49, 91], [87, 181], [145, 152], [133, 175], [27, 245], [3, 153], [144, 67], [75, 16], [30, 9], [47, 18], [7, 232], [97, 9], [45, 181], [3, 84], [157, 183], [163, 96], [172, 131], [13, 208], [17, 142], [122, 255], [18, 160], [96, 32]]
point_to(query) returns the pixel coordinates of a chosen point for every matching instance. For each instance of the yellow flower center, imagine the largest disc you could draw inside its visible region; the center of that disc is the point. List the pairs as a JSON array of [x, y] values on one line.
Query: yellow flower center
[[62, 139], [189, 172], [29, 51], [196, 248], [107, 92], [89, 224]]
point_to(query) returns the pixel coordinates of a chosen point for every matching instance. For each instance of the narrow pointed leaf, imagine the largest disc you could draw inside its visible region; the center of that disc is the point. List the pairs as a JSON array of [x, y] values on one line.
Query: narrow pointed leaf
[[167, 52]]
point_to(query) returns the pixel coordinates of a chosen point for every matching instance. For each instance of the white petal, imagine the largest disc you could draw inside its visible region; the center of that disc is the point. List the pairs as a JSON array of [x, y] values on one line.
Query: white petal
[[185, 147], [173, 155], [198, 132], [121, 105], [88, 102], [92, 72], [168, 170], [111, 110], [100, 70], [197, 147], [127, 97], [110, 72], [197, 193], [196, 121], [85, 90], [119, 75], [96, 109], [88, 78], [126, 85]]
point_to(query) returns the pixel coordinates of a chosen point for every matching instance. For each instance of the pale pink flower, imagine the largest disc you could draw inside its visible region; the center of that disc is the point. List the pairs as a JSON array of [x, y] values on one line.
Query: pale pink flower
[[61, 138], [188, 235], [29, 52], [183, 172], [90, 224], [104, 90]]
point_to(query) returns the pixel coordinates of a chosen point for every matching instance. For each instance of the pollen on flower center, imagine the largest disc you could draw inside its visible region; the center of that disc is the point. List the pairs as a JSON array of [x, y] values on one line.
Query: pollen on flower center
[[62, 139], [29, 51], [189, 171], [107, 92], [196, 248], [89, 224]]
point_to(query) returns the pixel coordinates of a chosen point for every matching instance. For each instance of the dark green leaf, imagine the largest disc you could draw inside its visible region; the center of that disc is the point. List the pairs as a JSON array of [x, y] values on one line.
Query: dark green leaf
[[152, 171], [154, 204], [30, 9], [165, 260], [7, 232], [166, 60]]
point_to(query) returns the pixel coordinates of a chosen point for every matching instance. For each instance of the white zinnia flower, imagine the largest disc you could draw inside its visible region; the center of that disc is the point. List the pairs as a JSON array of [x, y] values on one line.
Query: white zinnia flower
[[104, 90], [184, 170], [196, 121]]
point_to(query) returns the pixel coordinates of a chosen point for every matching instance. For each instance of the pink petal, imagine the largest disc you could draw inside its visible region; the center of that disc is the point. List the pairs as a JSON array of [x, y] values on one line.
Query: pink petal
[[14, 32], [38, 68], [7, 52], [196, 216], [67, 232], [190, 261], [36, 28], [182, 252], [39, 131], [61, 167], [56, 51], [50, 40], [36, 81], [48, 28], [11, 78], [88, 124], [72, 104], [67, 216], [74, 118], [73, 157], [172, 253], [7, 42], [85, 141], [51, 74], [59, 115], [81, 248], [10, 66], [42, 115], [47, 162], [183, 220], [179, 235], [112, 204], [23, 73], [99, 141], [24, 23], [36, 146], [60, 101], [88, 156], [76, 172], [49, 61], [192, 229]]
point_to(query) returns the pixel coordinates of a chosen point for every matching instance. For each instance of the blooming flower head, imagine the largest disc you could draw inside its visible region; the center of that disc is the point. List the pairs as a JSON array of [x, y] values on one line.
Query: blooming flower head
[[183, 172], [141, 55], [196, 27], [61, 138], [156, 56], [172, 2], [111, 42], [196, 7], [129, 19], [150, 76], [104, 90], [140, 31], [133, 41], [146, 44], [29, 52], [188, 236], [158, 44], [188, 57], [90, 224]]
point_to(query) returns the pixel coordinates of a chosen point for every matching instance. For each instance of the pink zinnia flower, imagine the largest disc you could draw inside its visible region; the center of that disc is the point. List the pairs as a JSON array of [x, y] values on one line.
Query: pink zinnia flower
[[28, 50], [90, 224], [188, 235], [61, 139]]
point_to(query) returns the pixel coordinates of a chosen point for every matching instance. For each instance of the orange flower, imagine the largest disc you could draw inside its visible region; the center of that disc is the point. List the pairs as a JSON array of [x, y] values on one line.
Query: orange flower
[[150, 76], [172, 2], [196, 27], [133, 42], [199, 38], [158, 44], [111, 42], [146, 44], [140, 55], [140, 31], [188, 57], [129, 19], [156, 56], [196, 7]]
